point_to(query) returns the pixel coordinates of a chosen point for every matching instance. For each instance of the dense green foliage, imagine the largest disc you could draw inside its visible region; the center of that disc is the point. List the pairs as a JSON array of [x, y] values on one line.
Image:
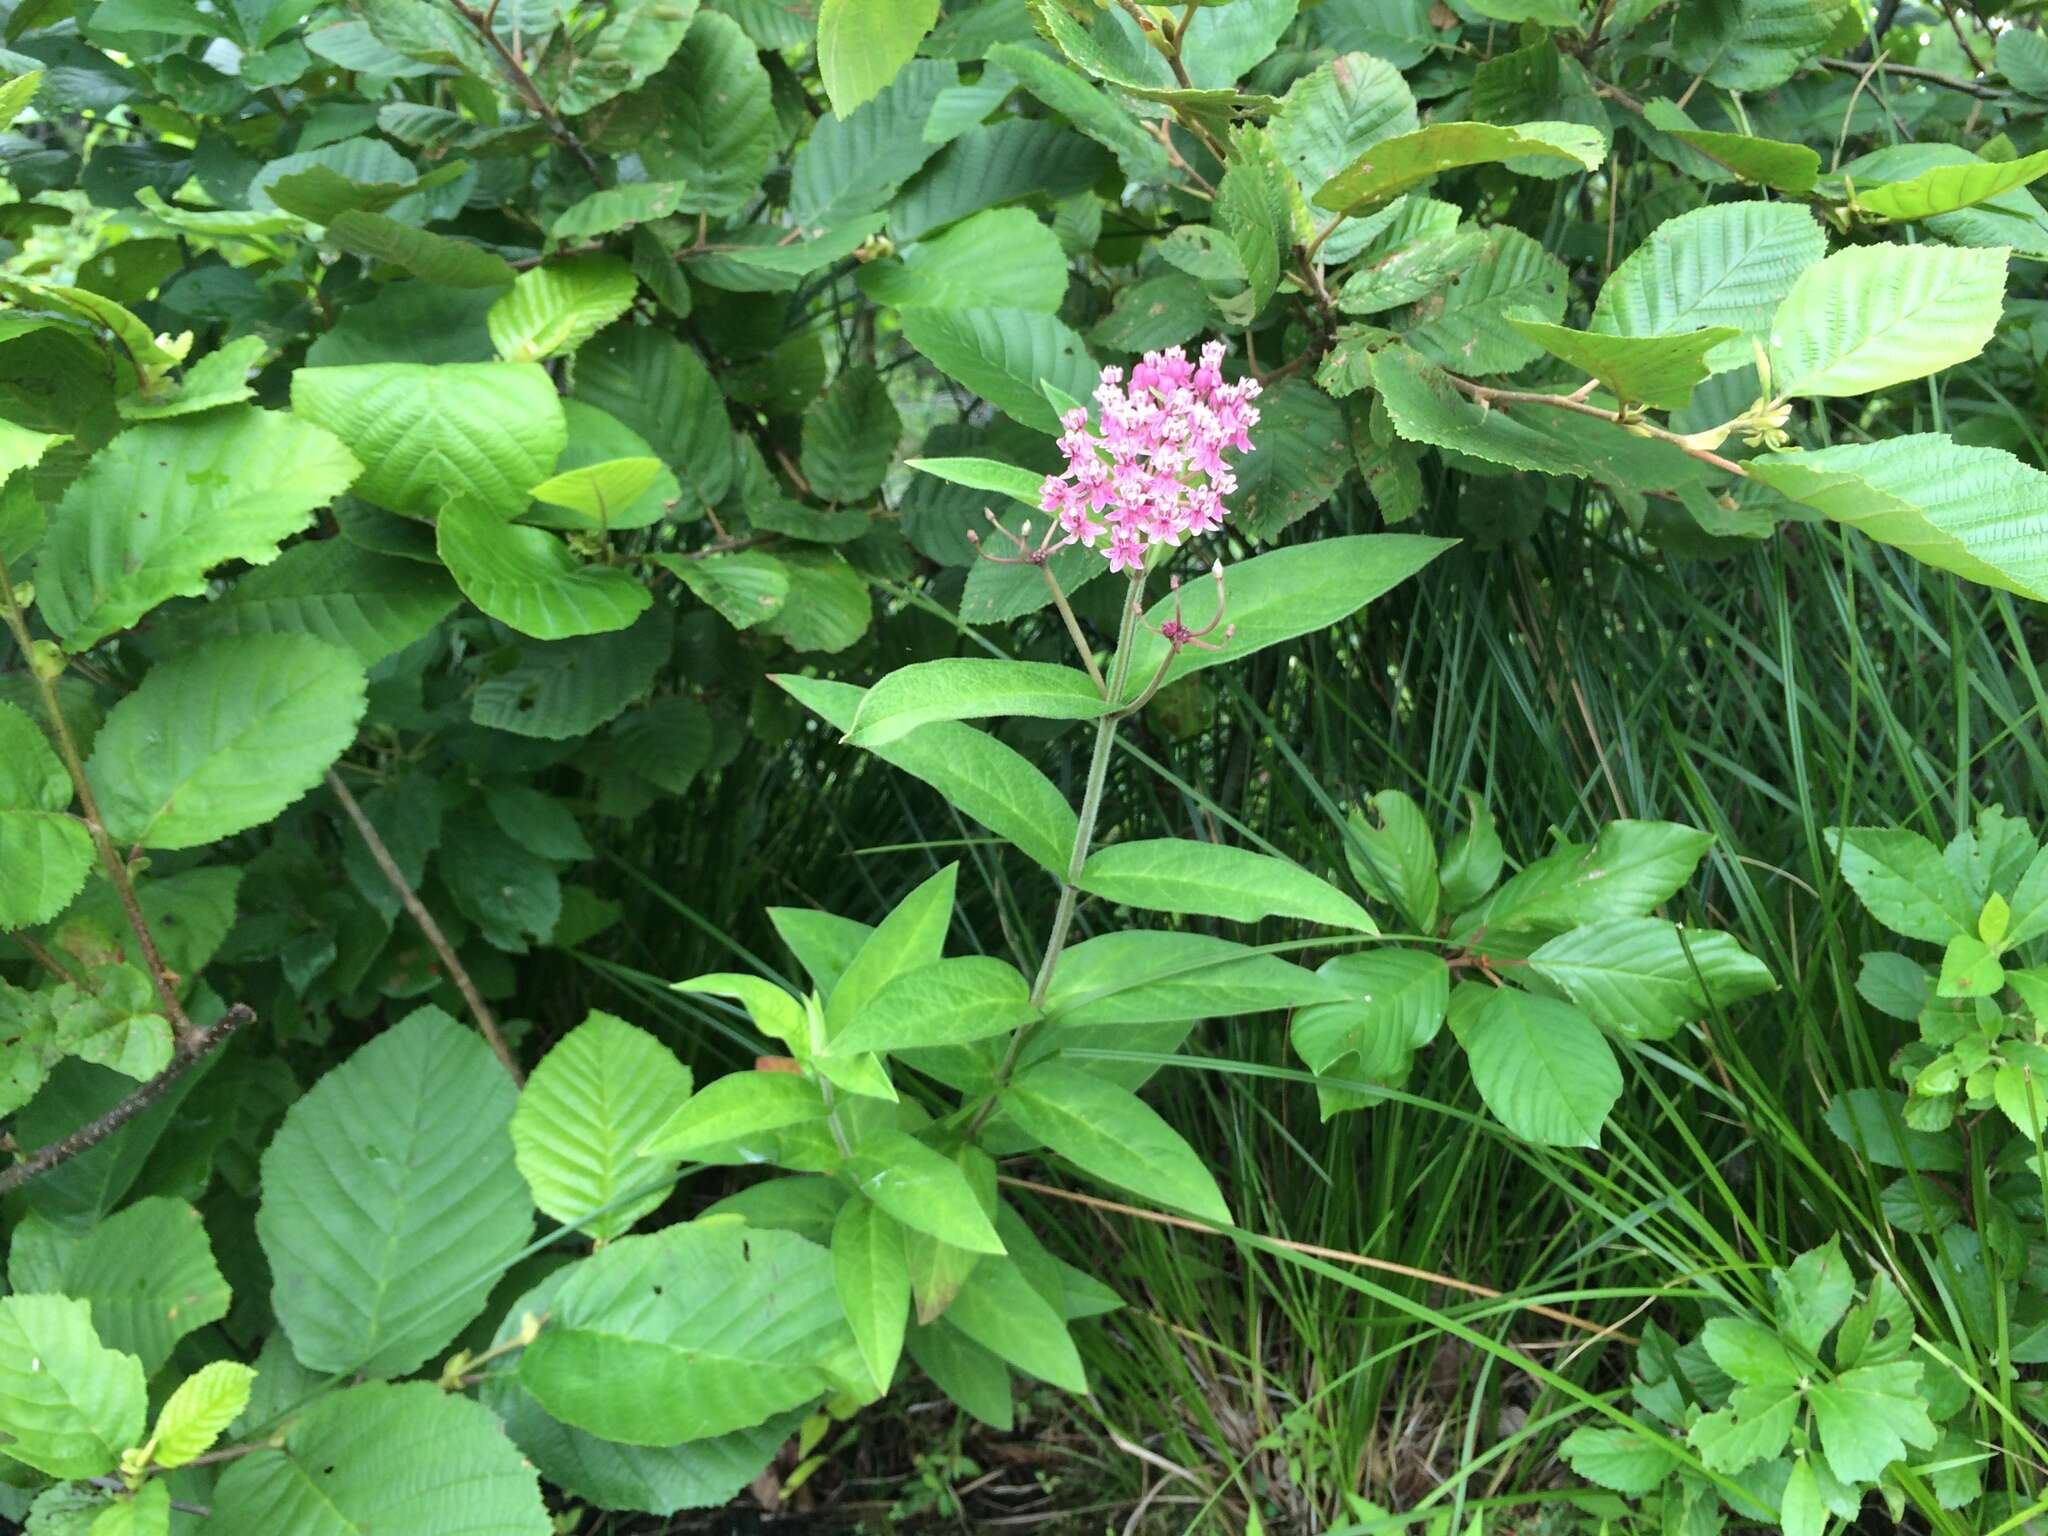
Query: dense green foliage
[[581, 878]]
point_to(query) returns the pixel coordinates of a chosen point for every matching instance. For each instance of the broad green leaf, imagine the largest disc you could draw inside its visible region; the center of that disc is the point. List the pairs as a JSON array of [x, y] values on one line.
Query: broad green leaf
[[1472, 858], [734, 1109], [44, 850], [384, 1458], [862, 43], [1333, 115], [1813, 1293], [1772, 163], [329, 181], [221, 737], [1302, 453], [637, 38], [616, 208], [1020, 485], [849, 437], [1903, 882], [971, 688], [166, 502], [1149, 976], [1645, 977], [1397, 165], [1466, 326], [1411, 272], [1112, 1135], [980, 776], [204, 1404], [948, 1002], [1542, 1068], [1392, 854], [746, 587], [1872, 316], [998, 1308], [590, 1105], [1128, 65], [659, 1480], [700, 1329], [1978, 512], [1176, 875], [217, 379], [553, 309], [1755, 1426], [1969, 969], [848, 167], [430, 257], [1161, 311], [829, 606], [1655, 370], [922, 1189], [432, 435], [565, 688], [774, 1011], [872, 1280], [1395, 1006], [1628, 1462], [1750, 1352], [528, 579], [2022, 57], [661, 390], [1867, 1417], [148, 1271], [1001, 256], [1287, 592], [68, 1405], [1728, 264], [2021, 1092], [716, 132], [391, 1203], [150, 359], [1945, 188], [1631, 868], [17, 93], [365, 603], [611, 494], [1800, 1510], [821, 247], [972, 1377], [1003, 355], [1088, 108], [2013, 217], [1752, 45]]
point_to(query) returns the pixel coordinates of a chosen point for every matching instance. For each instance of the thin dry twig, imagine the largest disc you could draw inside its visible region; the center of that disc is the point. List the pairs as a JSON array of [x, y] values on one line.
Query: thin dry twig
[[486, 1022]]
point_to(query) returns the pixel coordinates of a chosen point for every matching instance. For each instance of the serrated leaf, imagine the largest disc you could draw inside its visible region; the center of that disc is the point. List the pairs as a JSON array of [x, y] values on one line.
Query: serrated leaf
[[1177, 875], [1410, 272], [391, 1202], [1978, 512], [166, 502], [148, 1271], [1003, 355], [1654, 370], [1400, 164], [1752, 45], [1256, 205], [553, 309], [217, 379], [615, 208], [44, 850], [636, 40], [700, 1329], [566, 688], [528, 579], [862, 43], [849, 437], [203, 1404], [1872, 316], [828, 607], [1867, 1417], [746, 587], [1729, 264], [1091, 110], [430, 257], [661, 390], [1542, 1068], [365, 603], [384, 1458], [68, 1405], [1001, 256], [485, 433], [1945, 188], [716, 131], [1466, 327], [1628, 1462], [222, 737], [586, 1111]]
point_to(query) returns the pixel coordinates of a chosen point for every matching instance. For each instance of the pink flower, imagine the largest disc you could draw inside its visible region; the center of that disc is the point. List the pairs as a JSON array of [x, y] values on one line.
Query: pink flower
[[1155, 471]]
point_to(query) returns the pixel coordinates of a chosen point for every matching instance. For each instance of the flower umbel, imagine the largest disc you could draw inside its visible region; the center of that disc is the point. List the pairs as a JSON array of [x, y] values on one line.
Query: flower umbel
[[1156, 472]]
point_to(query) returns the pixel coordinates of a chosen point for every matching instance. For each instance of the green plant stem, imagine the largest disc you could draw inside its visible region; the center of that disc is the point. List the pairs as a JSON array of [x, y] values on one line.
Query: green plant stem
[[116, 867], [1084, 836]]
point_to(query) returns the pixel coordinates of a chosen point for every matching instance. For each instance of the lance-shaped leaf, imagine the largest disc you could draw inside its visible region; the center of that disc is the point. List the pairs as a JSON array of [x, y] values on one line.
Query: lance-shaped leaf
[[430, 257], [872, 1279], [1148, 976], [1767, 162], [948, 1002], [1397, 165], [700, 1329], [1171, 874], [1114, 1135], [1020, 485], [1872, 316], [1945, 188], [554, 309], [1978, 512], [221, 737], [735, 1108], [204, 1404], [923, 1189], [44, 850], [166, 502], [971, 688]]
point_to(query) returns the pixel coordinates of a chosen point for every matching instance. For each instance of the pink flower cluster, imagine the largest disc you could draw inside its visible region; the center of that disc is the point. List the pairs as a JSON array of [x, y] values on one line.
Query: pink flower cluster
[[1156, 472]]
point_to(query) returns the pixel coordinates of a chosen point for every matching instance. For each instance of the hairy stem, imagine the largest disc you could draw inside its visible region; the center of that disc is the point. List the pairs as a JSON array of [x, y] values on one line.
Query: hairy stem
[[1487, 395], [1084, 837], [110, 859], [86, 1137], [486, 1022]]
